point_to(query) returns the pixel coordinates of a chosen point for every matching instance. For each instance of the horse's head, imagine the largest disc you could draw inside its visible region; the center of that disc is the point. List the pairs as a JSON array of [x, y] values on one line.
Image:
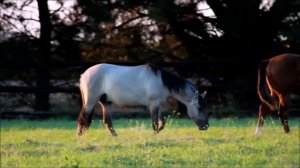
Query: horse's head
[[196, 111]]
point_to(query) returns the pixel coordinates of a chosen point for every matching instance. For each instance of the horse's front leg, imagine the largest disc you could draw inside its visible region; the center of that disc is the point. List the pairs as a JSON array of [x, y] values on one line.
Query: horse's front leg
[[106, 118], [263, 111], [154, 110], [161, 123]]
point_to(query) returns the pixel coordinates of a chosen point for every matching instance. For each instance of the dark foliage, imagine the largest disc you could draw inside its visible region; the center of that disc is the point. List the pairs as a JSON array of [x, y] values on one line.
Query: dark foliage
[[224, 48]]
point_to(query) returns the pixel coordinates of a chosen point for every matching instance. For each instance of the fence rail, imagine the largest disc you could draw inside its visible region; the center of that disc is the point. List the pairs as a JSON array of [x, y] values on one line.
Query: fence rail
[[227, 76], [32, 90]]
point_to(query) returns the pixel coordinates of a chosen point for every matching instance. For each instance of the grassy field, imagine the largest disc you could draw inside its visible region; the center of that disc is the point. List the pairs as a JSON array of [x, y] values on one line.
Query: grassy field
[[227, 143]]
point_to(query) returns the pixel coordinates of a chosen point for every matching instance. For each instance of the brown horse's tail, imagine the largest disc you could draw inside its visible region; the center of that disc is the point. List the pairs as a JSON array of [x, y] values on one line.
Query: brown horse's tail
[[262, 85]]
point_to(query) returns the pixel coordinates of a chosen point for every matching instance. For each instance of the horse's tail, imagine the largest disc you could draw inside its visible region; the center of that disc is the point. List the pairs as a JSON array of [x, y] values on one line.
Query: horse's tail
[[83, 89], [84, 119], [262, 85]]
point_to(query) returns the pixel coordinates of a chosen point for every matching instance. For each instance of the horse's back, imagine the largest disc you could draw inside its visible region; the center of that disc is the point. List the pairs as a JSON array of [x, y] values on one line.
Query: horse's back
[[127, 75], [114, 72], [284, 72]]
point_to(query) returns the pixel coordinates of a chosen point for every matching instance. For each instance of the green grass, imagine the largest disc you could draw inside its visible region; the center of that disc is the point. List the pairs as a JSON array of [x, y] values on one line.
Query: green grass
[[227, 143]]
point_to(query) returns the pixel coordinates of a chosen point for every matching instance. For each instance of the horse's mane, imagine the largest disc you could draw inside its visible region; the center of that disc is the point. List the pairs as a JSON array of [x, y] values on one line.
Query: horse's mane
[[173, 82]]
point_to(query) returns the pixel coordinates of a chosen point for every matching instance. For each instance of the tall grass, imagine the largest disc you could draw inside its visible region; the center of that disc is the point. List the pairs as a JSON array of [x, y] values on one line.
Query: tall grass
[[227, 143]]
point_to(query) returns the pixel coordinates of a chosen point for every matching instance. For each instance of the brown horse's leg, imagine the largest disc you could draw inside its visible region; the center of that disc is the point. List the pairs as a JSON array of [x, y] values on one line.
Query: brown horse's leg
[[106, 118], [263, 111], [282, 112]]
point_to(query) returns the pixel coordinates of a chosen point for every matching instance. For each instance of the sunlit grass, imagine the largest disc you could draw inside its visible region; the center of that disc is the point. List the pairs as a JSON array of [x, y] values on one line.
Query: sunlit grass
[[228, 143]]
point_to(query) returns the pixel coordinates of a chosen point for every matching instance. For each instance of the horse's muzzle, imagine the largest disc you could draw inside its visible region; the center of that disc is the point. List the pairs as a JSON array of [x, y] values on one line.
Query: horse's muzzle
[[205, 127], [202, 125]]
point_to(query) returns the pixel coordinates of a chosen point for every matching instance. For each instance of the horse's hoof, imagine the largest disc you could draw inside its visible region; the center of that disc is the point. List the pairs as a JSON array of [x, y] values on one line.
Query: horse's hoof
[[286, 129], [258, 131], [79, 133], [156, 132]]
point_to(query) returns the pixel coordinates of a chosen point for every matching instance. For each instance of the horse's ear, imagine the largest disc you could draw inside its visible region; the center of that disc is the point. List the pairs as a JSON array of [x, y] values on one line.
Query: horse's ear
[[203, 94]]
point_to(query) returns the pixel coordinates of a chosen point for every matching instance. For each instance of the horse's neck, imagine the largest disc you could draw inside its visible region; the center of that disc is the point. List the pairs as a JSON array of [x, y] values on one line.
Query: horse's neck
[[185, 95], [182, 97]]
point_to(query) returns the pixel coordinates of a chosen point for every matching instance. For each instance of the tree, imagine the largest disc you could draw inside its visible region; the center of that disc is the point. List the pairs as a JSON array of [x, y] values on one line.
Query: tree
[[43, 78], [154, 31], [51, 41], [237, 31]]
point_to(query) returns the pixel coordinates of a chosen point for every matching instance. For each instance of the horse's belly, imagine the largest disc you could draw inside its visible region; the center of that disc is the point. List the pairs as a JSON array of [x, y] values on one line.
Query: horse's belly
[[127, 100], [132, 86], [126, 95]]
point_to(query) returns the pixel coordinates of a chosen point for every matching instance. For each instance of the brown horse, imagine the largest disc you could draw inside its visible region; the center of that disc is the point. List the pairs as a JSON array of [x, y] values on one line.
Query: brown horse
[[278, 77]]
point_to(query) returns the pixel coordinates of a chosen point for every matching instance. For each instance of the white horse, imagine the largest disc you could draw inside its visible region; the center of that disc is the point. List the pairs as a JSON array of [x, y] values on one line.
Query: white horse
[[143, 85]]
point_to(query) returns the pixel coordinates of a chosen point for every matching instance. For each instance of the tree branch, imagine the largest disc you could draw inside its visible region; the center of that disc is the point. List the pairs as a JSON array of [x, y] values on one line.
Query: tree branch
[[130, 20]]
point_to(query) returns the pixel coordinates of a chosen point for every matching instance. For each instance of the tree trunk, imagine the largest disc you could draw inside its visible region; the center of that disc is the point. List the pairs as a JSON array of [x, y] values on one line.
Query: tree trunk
[[43, 78]]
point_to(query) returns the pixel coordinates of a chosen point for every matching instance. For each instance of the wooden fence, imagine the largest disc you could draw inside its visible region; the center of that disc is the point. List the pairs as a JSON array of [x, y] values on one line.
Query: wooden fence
[[236, 77]]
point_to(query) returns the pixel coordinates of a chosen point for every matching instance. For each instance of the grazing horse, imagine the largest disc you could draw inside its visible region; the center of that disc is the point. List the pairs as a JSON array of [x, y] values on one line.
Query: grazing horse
[[278, 77], [143, 85]]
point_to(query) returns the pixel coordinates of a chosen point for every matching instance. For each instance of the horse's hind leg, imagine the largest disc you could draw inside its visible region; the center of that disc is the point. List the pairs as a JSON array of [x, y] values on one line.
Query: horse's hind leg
[[84, 121], [106, 118], [263, 111], [283, 114], [284, 120], [86, 114]]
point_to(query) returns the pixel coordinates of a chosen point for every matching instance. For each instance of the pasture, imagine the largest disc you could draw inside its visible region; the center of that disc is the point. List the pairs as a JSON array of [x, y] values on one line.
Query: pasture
[[229, 142]]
